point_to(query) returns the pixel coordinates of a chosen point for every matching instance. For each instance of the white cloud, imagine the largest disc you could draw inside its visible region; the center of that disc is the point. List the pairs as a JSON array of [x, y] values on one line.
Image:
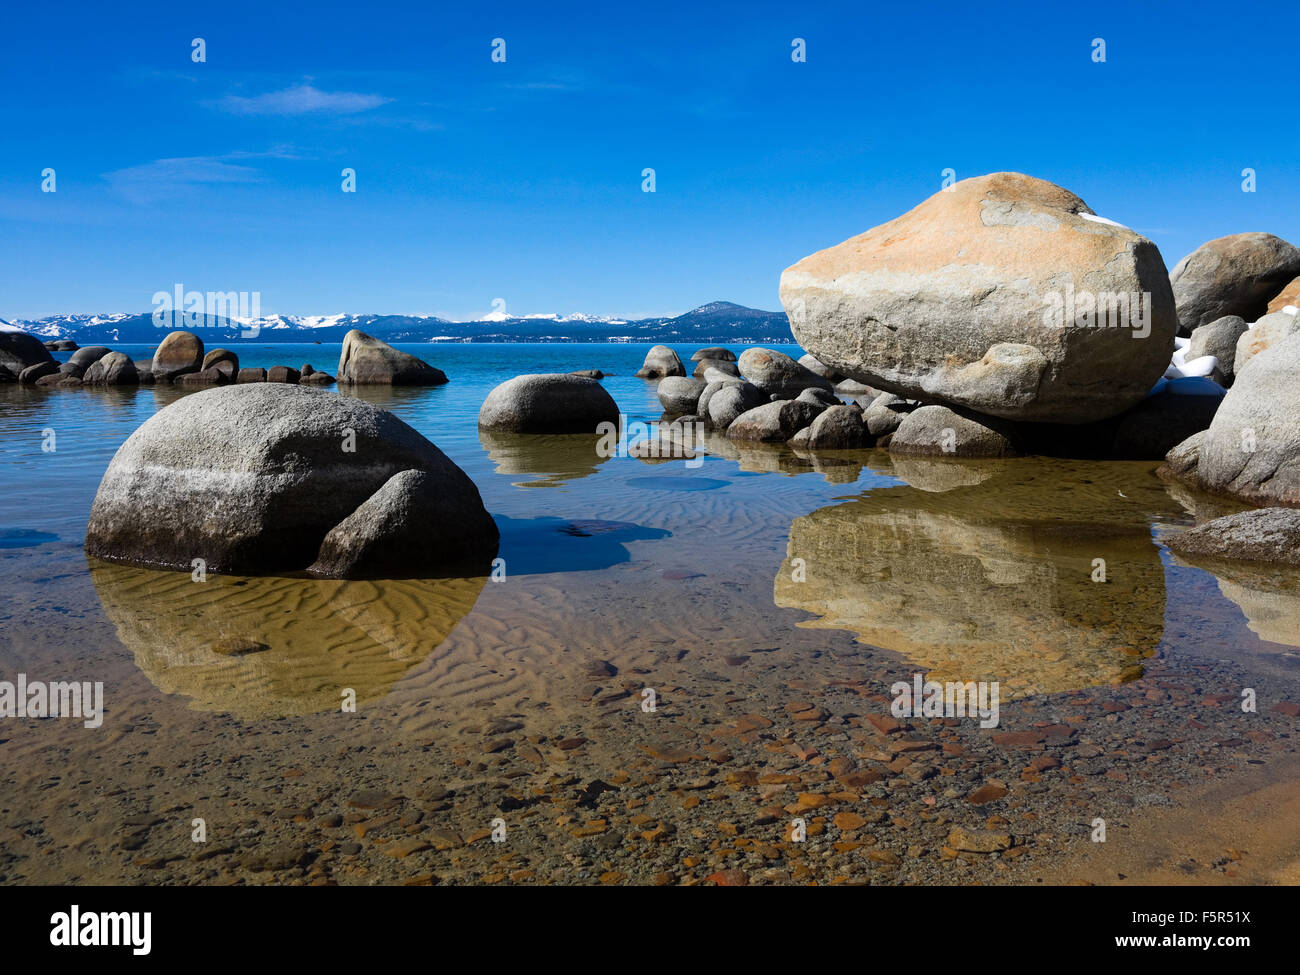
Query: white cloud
[[302, 100], [168, 177]]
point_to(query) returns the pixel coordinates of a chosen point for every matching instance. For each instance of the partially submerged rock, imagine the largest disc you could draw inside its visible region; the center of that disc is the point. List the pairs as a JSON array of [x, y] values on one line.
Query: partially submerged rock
[[776, 374], [547, 403], [838, 428], [714, 352], [224, 361], [660, 363], [252, 479], [680, 395], [937, 431], [18, 350], [178, 353], [729, 401], [114, 369], [1262, 535], [365, 360], [773, 422]]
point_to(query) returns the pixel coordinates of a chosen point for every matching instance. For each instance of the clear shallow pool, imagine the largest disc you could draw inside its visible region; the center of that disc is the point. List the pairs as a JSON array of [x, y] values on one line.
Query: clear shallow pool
[[621, 574]]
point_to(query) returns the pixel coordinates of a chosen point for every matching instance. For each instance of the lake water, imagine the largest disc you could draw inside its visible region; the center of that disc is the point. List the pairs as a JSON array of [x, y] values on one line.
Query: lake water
[[764, 601]]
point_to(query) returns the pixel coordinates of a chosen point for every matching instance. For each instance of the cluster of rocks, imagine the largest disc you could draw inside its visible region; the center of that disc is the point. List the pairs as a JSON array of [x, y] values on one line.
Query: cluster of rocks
[[276, 478], [1002, 317], [180, 359]]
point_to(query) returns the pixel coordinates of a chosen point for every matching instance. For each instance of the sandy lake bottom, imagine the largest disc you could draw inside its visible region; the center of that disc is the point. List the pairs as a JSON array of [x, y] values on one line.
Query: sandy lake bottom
[[768, 599]]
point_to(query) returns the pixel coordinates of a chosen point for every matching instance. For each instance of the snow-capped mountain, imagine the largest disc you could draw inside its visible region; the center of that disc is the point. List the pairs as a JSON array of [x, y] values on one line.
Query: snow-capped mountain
[[718, 321]]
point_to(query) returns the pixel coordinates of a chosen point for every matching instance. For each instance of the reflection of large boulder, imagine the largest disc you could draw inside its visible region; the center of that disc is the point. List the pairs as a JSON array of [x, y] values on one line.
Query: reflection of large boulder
[[548, 461], [992, 581], [1268, 594], [272, 646], [251, 478], [952, 302]]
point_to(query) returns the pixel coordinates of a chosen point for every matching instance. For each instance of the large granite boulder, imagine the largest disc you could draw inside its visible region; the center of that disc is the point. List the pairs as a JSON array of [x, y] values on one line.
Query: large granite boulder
[[18, 350], [251, 479], [660, 363], [1251, 450], [177, 354], [368, 361], [776, 374], [1235, 275], [547, 403], [1005, 295]]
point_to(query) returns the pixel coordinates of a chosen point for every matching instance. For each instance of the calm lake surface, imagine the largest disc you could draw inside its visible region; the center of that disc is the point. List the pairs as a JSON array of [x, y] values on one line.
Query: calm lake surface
[[767, 599]]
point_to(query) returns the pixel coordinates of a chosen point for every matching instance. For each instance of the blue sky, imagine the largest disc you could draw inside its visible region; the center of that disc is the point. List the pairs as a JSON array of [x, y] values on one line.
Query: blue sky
[[522, 180]]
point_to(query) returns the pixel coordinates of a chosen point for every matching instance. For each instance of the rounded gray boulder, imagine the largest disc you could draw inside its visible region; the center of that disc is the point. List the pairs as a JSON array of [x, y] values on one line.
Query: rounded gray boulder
[[660, 363], [776, 374], [251, 479], [679, 394], [937, 431], [547, 403], [1234, 275]]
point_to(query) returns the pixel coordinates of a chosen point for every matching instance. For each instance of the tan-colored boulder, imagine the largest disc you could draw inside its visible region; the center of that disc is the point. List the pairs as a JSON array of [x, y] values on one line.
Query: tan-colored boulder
[[1288, 296], [1004, 294], [177, 354], [1265, 333]]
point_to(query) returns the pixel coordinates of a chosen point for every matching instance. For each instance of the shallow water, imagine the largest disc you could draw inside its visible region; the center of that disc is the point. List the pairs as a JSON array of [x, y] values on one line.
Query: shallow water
[[760, 582]]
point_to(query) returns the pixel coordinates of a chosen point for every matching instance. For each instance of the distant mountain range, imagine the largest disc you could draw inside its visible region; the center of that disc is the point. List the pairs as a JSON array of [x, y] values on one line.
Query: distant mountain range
[[719, 322]]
